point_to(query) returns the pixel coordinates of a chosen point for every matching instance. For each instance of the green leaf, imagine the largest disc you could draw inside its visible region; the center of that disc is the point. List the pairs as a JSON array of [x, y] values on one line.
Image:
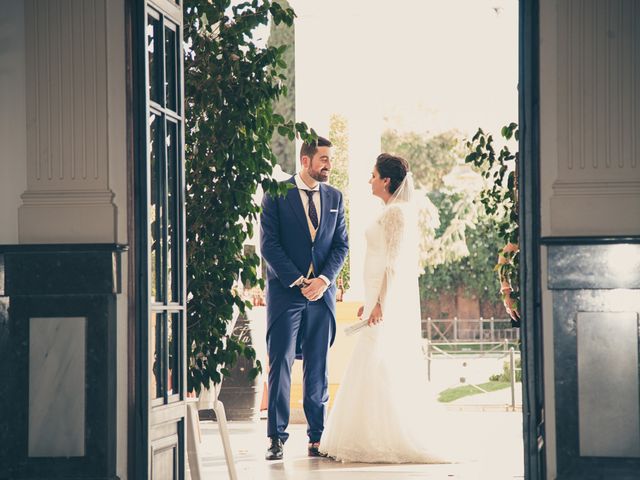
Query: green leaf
[[284, 131]]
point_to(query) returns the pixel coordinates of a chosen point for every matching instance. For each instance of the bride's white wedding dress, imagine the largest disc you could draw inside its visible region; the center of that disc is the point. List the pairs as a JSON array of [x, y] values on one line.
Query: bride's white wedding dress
[[384, 410]]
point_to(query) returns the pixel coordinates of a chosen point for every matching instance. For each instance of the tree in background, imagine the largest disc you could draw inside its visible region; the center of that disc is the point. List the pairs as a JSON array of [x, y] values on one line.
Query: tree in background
[[339, 136], [470, 271], [431, 157], [458, 254], [283, 35]]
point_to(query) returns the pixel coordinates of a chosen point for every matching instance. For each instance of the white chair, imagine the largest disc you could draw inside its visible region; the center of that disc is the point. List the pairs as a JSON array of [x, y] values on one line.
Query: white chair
[[193, 425]]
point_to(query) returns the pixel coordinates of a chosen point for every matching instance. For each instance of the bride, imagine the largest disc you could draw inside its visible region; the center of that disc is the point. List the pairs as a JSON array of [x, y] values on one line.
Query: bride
[[383, 411]]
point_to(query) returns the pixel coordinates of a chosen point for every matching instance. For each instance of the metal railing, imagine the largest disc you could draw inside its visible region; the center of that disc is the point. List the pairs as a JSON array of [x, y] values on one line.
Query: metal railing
[[480, 337], [459, 332], [477, 349], [506, 350]]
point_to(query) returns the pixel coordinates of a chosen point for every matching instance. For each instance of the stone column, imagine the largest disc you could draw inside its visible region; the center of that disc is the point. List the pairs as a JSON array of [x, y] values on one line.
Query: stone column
[[342, 51]]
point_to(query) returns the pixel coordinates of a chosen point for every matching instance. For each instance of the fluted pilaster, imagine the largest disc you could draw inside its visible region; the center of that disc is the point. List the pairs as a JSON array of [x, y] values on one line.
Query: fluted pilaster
[[597, 188], [68, 197]]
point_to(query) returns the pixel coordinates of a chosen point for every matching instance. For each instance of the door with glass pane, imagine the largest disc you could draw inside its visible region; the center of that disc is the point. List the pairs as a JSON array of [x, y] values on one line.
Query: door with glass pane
[[165, 245]]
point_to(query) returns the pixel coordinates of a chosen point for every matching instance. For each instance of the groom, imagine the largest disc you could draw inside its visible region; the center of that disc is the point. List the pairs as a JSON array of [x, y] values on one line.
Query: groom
[[303, 238]]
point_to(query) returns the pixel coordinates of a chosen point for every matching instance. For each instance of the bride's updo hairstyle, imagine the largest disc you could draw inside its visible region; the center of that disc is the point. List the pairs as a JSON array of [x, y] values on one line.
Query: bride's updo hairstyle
[[392, 167]]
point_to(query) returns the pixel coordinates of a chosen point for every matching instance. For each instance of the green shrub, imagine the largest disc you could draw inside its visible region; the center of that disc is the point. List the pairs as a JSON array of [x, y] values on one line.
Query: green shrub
[[505, 376]]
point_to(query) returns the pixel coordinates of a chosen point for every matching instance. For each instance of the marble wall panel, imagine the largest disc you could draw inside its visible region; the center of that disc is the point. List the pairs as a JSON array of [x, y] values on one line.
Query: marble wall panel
[[57, 353]]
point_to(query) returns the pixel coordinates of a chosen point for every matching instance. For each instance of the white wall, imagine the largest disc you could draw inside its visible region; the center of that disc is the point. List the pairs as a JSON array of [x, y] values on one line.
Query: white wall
[[13, 129]]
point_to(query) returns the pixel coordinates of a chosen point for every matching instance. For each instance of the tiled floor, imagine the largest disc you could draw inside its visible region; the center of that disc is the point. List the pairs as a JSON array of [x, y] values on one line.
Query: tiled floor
[[492, 439]]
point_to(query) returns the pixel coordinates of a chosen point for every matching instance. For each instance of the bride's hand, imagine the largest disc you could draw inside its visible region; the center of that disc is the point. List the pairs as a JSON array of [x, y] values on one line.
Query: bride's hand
[[376, 315], [360, 311]]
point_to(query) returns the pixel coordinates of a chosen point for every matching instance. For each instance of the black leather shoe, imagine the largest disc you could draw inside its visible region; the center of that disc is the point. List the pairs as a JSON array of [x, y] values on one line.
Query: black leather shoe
[[314, 450], [275, 450]]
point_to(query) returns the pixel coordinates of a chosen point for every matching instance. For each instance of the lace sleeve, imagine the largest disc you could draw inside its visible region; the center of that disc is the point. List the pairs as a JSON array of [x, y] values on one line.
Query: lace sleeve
[[393, 225]]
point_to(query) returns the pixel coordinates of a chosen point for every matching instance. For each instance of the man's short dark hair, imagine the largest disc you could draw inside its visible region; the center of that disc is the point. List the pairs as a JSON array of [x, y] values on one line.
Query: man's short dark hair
[[309, 149]]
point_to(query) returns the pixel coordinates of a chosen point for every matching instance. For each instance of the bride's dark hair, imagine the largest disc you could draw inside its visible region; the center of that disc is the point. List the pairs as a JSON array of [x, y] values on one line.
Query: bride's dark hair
[[392, 167]]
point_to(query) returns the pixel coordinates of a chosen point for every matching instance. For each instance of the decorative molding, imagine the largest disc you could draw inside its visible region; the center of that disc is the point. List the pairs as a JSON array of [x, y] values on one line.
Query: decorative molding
[[596, 189], [604, 213], [598, 105], [70, 222], [67, 93], [68, 121], [593, 188], [68, 197]]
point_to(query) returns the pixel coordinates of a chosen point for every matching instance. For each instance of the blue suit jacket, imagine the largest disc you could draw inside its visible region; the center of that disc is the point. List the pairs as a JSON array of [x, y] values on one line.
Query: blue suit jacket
[[286, 246]]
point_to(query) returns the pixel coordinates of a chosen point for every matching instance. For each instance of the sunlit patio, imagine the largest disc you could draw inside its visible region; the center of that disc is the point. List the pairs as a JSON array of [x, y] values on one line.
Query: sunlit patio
[[493, 441]]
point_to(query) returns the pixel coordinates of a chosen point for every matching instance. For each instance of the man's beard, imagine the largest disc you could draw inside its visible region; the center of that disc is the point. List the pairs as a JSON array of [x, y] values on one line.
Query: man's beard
[[319, 176]]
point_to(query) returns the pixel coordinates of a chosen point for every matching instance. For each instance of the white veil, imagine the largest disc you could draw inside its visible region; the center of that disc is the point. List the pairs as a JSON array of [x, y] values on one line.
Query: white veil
[[405, 193], [401, 227], [407, 236]]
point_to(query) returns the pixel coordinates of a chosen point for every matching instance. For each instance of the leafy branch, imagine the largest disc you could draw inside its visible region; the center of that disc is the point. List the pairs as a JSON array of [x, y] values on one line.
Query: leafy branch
[[499, 198]]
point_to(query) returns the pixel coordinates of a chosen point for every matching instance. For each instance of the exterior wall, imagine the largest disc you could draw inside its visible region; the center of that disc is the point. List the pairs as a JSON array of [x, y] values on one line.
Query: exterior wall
[[13, 131], [590, 178]]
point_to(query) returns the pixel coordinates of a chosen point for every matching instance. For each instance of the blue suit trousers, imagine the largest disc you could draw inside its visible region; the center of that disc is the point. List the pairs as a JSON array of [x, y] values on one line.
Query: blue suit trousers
[[310, 324]]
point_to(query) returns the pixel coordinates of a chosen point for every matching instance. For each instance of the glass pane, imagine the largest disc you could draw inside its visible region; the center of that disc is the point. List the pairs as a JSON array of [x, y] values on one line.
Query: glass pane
[[173, 204], [154, 54], [171, 68], [155, 209], [174, 340], [157, 385]]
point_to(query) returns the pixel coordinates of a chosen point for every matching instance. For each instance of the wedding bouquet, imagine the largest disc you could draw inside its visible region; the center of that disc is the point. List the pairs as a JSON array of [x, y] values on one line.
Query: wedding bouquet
[[356, 327]]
